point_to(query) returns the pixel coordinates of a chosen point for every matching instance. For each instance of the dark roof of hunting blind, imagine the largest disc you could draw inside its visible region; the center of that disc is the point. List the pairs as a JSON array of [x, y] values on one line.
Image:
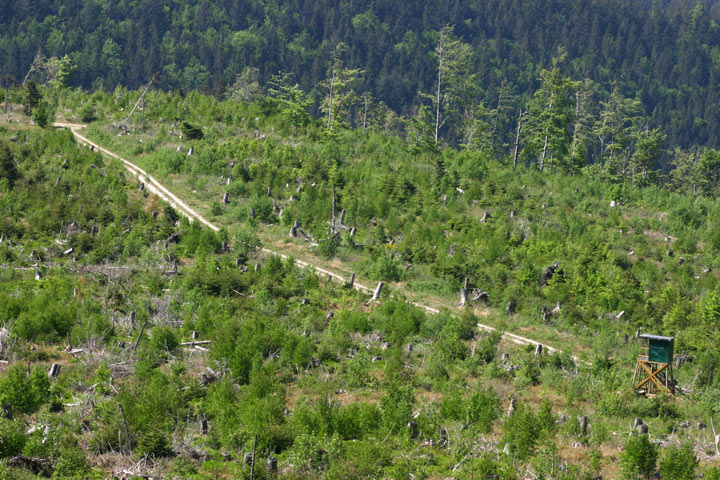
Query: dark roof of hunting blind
[[657, 337]]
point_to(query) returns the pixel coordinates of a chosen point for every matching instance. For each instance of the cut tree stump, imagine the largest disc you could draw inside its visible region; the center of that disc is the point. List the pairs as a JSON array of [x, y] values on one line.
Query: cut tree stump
[[378, 291]]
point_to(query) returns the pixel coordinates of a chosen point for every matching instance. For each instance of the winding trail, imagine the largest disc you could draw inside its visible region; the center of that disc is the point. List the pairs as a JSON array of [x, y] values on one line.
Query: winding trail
[[152, 185]]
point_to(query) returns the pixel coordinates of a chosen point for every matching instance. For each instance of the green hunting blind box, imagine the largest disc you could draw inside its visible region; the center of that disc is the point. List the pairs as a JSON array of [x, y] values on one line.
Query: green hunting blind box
[[653, 371]]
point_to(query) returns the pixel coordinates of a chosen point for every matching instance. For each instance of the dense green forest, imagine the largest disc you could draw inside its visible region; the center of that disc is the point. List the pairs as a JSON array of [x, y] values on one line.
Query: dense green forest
[[665, 54]]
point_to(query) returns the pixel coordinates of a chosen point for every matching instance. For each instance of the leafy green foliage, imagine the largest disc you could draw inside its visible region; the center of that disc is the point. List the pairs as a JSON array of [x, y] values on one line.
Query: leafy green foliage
[[639, 457], [191, 132], [679, 463], [24, 392]]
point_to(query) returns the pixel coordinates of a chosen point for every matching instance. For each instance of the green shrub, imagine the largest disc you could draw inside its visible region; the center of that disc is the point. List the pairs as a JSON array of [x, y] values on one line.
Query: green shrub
[[12, 438], [25, 393], [639, 458], [87, 111], [521, 432], [483, 408], [679, 463]]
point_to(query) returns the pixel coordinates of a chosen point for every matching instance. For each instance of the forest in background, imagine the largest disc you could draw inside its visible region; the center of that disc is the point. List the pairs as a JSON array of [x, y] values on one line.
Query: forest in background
[[664, 54]]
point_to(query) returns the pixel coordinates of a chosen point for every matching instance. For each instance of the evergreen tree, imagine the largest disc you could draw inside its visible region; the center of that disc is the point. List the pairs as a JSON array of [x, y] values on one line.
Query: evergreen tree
[[551, 113], [646, 156], [619, 119], [292, 100], [453, 58], [639, 458], [32, 97], [8, 169]]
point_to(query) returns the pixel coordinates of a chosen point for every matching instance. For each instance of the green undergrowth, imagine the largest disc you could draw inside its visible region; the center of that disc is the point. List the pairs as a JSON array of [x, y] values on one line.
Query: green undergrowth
[[341, 395]]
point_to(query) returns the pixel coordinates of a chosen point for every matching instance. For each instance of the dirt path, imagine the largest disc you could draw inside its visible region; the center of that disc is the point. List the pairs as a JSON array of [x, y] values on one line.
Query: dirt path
[[152, 185]]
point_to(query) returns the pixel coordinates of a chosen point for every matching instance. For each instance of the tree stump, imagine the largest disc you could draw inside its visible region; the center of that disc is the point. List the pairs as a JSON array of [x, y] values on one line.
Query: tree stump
[[226, 198], [538, 350], [511, 408], [378, 291], [464, 293], [272, 465], [443, 437], [558, 307], [583, 421], [413, 427], [7, 410], [293, 229], [510, 307]]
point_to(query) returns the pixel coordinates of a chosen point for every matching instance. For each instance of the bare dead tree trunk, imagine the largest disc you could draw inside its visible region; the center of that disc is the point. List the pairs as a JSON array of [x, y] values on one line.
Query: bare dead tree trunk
[[139, 336], [366, 107], [352, 280], [332, 224], [517, 137], [542, 159], [252, 465], [152, 79], [127, 430], [544, 153], [441, 60], [33, 66], [575, 132]]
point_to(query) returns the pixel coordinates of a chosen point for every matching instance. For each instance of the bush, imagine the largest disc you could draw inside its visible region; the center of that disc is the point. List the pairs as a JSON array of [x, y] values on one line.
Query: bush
[[191, 132], [153, 443], [87, 111], [483, 408], [397, 405], [679, 463], [12, 438], [521, 432], [25, 393], [327, 247], [639, 458]]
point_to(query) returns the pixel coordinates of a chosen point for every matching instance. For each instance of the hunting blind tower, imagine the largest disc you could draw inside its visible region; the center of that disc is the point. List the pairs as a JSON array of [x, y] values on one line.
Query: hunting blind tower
[[653, 372]]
